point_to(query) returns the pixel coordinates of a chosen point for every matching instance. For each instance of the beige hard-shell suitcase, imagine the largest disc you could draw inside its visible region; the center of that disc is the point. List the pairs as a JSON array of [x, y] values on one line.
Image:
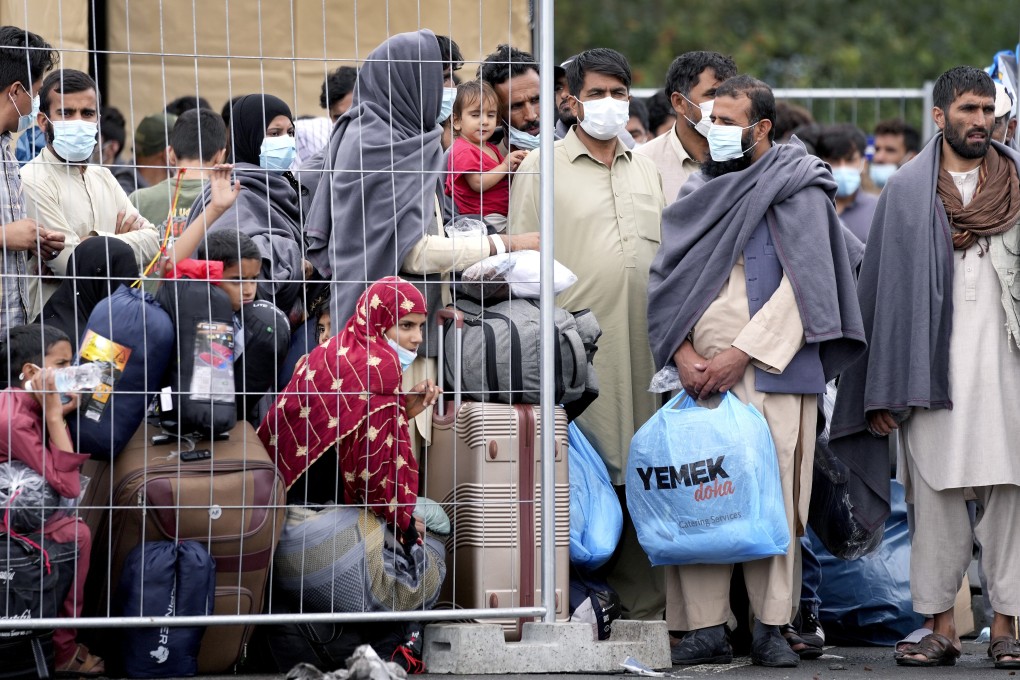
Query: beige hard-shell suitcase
[[485, 467]]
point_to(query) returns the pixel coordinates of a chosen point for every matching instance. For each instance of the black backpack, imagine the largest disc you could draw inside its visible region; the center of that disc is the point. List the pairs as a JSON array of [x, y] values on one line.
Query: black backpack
[[200, 400], [35, 576]]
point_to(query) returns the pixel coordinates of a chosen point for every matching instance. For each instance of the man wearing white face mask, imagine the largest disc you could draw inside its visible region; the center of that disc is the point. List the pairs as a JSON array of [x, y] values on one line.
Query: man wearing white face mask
[[24, 60], [752, 292], [842, 146], [690, 85], [608, 202], [70, 195]]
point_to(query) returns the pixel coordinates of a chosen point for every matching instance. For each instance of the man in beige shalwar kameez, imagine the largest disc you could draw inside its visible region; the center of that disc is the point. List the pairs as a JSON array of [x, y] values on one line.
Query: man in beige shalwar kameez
[[608, 203], [752, 293]]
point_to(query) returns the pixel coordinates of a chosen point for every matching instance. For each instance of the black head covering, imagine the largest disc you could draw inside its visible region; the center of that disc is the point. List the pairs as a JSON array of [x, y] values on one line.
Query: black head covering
[[98, 266], [251, 115]]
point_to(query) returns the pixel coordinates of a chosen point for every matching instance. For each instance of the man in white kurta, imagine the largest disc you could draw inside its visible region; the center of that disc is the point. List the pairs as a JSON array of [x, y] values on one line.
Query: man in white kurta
[[76, 199], [967, 450], [608, 203]]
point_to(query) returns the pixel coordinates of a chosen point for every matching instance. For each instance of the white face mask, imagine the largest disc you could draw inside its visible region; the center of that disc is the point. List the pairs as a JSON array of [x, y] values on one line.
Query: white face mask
[[605, 118], [705, 124], [406, 356]]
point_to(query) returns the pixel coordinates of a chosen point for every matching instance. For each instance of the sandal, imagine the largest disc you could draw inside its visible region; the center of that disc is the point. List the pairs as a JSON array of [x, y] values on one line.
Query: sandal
[[82, 665], [1005, 645], [938, 650], [705, 645], [910, 640], [793, 638]]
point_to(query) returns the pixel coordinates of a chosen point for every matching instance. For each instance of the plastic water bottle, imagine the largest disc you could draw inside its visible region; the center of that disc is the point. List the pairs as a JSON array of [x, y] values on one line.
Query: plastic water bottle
[[84, 378]]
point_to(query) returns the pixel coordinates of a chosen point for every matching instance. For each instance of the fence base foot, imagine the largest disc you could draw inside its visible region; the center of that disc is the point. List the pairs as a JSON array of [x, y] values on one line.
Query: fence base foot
[[480, 649]]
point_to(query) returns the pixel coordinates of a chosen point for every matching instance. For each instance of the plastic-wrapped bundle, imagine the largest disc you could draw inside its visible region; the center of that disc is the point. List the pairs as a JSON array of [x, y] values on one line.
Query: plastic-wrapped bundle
[[26, 495], [831, 510]]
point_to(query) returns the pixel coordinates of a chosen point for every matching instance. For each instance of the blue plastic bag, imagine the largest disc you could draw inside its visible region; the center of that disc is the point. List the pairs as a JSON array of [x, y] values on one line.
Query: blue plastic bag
[[596, 518], [703, 485]]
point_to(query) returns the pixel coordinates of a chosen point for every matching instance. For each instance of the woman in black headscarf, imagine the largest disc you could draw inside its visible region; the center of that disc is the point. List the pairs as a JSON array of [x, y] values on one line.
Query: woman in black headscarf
[[98, 266], [268, 208]]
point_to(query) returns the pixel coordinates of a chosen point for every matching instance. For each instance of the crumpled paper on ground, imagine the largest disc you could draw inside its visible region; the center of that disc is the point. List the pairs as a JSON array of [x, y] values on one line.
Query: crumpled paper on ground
[[364, 664]]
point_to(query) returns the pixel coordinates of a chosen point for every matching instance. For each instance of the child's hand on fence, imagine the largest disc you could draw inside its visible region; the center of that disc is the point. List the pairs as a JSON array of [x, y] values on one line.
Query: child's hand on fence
[[422, 395]]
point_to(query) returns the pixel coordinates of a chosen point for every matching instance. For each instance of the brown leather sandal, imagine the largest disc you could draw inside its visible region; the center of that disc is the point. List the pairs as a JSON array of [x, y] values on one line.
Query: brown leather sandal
[[1005, 645], [82, 665], [937, 650]]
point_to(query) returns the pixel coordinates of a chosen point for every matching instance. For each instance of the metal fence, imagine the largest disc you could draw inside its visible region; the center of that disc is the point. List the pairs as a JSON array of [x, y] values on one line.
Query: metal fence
[[505, 558]]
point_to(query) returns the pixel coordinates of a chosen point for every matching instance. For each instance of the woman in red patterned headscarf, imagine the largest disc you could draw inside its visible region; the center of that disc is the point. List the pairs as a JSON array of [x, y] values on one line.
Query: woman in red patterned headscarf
[[347, 395]]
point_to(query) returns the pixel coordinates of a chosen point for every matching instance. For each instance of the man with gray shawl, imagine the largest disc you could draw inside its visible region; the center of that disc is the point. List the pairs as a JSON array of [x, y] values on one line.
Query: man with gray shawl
[[375, 213], [939, 297], [752, 292]]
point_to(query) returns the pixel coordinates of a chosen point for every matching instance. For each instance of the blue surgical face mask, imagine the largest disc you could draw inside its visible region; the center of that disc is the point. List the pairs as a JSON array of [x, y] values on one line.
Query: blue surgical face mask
[[406, 356], [277, 153], [881, 172], [449, 95], [848, 181], [26, 121], [724, 142], [74, 140], [522, 140]]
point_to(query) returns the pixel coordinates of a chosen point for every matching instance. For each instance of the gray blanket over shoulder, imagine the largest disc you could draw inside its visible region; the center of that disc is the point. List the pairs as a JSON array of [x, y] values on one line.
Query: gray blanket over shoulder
[[377, 195], [704, 233], [908, 265], [268, 209]]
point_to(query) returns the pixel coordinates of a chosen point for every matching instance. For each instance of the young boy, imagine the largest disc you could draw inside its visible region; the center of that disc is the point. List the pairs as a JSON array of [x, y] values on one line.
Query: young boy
[[27, 362], [261, 330]]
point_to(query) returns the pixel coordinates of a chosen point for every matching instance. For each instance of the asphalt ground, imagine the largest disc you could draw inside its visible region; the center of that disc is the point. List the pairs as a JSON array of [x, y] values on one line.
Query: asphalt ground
[[838, 663]]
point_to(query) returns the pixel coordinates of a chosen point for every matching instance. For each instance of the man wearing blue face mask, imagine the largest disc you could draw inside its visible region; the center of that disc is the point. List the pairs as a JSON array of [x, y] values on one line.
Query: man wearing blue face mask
[[70, 195], [608, 202], [24, 59], [752, 292], [842, 146], [513, 74]]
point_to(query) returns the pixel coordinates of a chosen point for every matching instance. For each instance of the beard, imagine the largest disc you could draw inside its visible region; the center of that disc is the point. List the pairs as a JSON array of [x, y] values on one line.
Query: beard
[[713, 168], [566, 117], [957, 139]]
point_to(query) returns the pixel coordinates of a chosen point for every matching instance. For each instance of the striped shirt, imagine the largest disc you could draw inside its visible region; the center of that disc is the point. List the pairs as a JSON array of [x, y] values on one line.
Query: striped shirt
[[13, 283]]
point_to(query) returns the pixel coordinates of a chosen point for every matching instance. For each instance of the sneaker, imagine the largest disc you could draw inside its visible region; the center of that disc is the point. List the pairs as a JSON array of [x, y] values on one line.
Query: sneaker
[[810, 629]]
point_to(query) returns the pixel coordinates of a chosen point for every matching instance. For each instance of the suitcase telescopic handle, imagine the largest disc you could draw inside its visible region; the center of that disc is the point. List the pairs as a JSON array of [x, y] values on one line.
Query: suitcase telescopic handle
[[457, 317]]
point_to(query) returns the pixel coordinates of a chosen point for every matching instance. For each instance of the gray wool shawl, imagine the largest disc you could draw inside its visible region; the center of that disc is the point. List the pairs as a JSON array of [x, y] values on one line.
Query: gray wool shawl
[[377, 194], [909, 263], [706, 229]]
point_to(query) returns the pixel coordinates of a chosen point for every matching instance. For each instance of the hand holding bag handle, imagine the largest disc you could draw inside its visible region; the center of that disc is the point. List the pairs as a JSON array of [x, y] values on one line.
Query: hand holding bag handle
[[457, 317]]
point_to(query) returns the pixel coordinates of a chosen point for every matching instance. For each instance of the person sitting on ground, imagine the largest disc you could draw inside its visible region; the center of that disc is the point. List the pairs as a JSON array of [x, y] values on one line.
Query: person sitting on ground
[[33, 432], [98, 267], [269, 208], [347, 397], [259, 346], [479, 178]]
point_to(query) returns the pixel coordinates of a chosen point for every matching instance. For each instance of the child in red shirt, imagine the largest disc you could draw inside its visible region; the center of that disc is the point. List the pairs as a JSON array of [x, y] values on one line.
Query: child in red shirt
[[479, 178]]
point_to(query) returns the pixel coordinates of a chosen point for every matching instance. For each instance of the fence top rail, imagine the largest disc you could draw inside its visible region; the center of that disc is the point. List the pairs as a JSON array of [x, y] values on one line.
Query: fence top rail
[[827, 92]]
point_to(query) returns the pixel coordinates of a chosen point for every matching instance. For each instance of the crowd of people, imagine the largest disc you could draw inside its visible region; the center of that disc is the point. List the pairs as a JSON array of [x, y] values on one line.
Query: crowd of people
[[710, 228]]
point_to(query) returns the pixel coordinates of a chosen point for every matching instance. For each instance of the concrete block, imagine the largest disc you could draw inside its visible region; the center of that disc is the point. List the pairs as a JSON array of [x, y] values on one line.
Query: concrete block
[[481, 649]]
